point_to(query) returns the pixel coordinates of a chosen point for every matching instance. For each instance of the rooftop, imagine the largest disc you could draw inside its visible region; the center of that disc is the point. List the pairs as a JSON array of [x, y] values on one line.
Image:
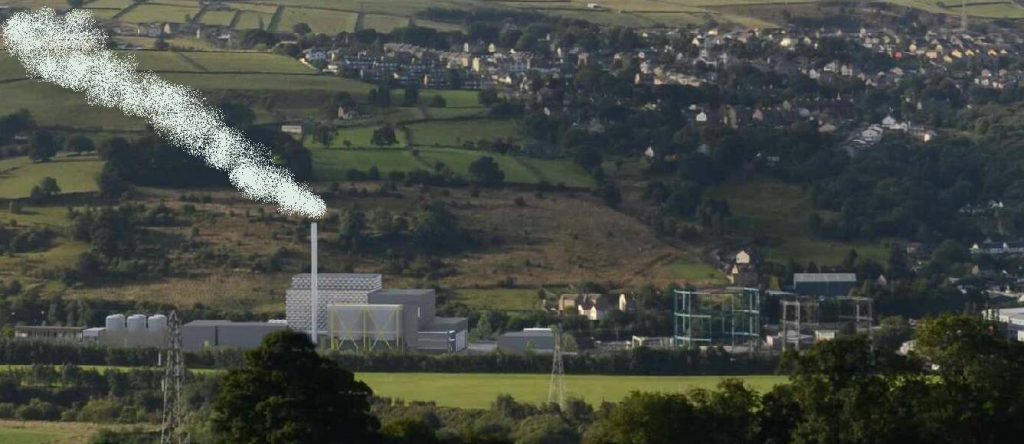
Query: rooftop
[[225, 322], [824, 277]]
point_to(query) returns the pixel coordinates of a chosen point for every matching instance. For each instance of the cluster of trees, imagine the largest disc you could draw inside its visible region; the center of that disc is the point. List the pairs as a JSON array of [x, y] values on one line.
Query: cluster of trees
[[433, 230]]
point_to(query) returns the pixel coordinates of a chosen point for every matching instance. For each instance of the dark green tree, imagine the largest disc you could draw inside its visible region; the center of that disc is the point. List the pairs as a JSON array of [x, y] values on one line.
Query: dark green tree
[[43, 146], [287, 393], [47, 188], [486, 172], [80, 144], [384, 135]]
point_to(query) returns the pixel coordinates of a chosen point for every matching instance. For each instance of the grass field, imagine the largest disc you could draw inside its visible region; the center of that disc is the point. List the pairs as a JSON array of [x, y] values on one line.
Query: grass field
[[15, 433], [384, 23], [74, 175], [218, 18], [480, 390], [778, 213], [319, 20], [360, 137], [456, 133], [147, 13], [332, 164], [109, 4], [498, 299], [52, 432], [254, 20], [51, 105], [246, 62]]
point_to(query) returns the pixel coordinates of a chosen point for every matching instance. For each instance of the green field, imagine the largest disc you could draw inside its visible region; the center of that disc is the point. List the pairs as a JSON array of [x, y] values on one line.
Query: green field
[[74, 175], [333, 164], [10, 68], [109, 4], [457, 133], [778, 213], [153, 13], [163, 61], [384, 23], [498, 299], [218, 18], [53, 432], [253, 20], [268, 82], [246, 62], [697, 272], [319, 20], [360, 137], [10, 434], [51, 105], [479, 390]]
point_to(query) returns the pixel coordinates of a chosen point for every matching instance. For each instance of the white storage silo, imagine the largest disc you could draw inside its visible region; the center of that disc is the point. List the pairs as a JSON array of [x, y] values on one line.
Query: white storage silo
[[137, 322], [115, 322], [157, 323]]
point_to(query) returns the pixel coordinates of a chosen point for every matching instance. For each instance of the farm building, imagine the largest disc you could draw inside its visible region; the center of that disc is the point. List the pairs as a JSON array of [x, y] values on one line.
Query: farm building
[[824, 284], [538, 340]]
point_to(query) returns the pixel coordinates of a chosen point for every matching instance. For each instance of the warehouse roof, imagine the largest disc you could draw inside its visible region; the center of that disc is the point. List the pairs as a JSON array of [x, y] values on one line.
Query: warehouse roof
[[824, 277], [225, 322]]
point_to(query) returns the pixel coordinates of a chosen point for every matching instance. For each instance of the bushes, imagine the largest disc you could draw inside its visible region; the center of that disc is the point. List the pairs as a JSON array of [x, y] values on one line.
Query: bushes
[[37, 410]]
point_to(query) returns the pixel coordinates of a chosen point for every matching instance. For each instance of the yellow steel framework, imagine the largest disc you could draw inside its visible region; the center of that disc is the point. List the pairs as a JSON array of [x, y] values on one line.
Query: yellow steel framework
[[365, 332]]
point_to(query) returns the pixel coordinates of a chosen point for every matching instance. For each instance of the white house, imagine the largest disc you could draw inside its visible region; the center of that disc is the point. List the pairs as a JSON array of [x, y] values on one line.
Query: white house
[[295, 130]]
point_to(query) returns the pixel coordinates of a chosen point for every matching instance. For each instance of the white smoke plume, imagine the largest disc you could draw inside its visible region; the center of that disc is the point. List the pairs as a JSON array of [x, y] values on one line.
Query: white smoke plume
[[70, 52]]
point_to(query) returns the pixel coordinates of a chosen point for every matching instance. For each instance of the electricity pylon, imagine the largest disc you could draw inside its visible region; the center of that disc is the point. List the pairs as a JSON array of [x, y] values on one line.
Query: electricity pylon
[[174, 427], [556, 389]]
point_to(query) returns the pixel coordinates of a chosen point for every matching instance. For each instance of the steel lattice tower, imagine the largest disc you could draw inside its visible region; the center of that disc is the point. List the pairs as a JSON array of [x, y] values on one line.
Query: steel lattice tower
[[556, 389], [173, 430]]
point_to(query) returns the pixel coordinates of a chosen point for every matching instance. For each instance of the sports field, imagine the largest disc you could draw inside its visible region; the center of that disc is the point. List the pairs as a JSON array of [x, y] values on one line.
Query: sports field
[[479, 390]]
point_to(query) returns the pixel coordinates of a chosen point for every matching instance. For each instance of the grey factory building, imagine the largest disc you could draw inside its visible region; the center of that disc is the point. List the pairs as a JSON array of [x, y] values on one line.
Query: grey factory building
[[824, 284], [539, 340], [356, 314], [203, 334]]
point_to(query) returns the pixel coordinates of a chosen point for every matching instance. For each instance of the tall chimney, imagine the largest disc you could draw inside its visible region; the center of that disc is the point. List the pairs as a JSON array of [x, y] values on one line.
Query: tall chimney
[[314, 300]]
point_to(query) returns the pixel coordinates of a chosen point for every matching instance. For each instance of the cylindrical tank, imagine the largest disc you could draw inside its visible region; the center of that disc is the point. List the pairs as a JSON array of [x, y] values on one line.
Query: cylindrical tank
[[115, 322], [136, 322], [157, 323]]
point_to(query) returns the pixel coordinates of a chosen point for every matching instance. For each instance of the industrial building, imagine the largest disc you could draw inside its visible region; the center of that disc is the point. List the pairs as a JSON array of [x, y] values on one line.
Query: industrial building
[[333, 288], [1012, 320], [729, 317], [356, 314], [204, 334], [538, 340], [136, 330], [824, 284], [48, 333]]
